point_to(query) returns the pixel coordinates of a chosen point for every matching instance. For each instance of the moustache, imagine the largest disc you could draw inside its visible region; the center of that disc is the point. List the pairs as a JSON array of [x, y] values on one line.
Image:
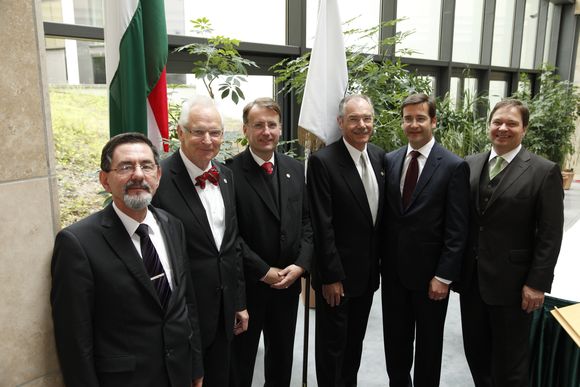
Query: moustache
[[137, 185]]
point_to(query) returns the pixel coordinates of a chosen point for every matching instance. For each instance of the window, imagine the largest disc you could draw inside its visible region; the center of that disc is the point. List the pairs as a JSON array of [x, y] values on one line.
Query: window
[[497, 92], [467, 31], [548, 33], [248, 20], [503, 30], [256, 86], [423, 20], [362, 14], [530, 34], [75, 62]]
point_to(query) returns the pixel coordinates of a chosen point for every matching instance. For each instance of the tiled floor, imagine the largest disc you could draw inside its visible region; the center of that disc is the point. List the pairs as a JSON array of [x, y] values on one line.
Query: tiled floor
[[455, 372]]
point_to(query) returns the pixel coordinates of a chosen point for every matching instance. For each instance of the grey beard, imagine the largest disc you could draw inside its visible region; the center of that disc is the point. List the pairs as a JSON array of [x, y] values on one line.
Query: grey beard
[[137, 202]]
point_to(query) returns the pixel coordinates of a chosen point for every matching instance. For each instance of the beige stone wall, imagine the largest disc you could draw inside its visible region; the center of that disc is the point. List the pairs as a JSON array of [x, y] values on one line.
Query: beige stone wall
[[28, 204]]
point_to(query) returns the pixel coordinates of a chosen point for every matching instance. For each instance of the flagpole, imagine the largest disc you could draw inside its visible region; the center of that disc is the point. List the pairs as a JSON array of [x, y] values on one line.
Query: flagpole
[[306, 326]]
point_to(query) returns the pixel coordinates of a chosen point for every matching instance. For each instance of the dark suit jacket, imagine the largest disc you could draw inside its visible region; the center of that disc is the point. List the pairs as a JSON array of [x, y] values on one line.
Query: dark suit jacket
[[214, 272], [345, 239], [516, 238], [272, 237], [428, 238], [109, 325]]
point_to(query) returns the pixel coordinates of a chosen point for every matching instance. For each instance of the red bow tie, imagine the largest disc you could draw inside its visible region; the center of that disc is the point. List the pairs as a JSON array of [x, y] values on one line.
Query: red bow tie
[[212, 175]]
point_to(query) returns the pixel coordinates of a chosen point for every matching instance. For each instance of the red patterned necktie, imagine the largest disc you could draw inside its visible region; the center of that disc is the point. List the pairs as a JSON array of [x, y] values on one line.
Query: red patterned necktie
[[411, 179], [268, 167], [212, 175]]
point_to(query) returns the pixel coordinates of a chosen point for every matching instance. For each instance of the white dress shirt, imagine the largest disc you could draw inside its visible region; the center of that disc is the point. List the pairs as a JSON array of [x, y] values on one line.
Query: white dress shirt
[[212, 200], [356, 158], [508, 156], [424, 151], [154, 234], [259, 160]]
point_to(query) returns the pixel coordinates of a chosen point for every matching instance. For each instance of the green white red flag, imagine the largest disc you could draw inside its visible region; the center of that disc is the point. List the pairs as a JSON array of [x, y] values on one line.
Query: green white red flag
[[136, 56]]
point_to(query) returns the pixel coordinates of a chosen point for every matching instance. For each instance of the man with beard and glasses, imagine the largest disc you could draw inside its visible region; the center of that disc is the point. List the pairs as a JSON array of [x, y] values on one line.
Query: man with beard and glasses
[[123, 305]]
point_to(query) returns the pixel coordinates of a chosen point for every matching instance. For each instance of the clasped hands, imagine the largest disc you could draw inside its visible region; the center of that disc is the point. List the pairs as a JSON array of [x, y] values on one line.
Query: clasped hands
[[282, 278]]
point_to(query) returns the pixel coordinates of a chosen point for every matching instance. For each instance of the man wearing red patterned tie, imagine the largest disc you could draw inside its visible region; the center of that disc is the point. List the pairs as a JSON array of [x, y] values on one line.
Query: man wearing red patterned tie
[[200, 191], [275, 225]]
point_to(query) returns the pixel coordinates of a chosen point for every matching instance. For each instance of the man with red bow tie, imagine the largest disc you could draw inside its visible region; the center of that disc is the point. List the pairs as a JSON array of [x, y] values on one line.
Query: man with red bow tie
[[200, 192]]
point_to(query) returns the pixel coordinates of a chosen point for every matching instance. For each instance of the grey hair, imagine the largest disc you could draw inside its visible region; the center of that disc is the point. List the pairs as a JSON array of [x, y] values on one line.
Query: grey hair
[[349, 97], [198, 101]]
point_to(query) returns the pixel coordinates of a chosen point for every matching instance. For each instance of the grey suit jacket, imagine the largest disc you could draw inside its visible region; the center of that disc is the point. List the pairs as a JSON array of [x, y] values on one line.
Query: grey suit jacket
[[516, 239]]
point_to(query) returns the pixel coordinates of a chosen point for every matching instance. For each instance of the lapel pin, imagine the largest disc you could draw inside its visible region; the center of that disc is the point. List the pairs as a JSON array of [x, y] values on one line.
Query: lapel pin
[[382, 173], [288, 175], [225, 180]]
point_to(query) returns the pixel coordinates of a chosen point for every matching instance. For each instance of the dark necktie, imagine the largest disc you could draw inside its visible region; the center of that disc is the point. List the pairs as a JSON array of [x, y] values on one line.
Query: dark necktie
[[268, 167], [153, 265], [411, 179], [212, 175]]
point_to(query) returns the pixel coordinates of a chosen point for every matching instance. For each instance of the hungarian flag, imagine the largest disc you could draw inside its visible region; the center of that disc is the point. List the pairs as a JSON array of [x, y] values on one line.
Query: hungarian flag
[[327, 77], [136, 56]]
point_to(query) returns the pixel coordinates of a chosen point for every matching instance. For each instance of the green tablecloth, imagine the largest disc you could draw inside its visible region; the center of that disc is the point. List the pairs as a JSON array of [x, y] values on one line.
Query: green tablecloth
[[555, 358]]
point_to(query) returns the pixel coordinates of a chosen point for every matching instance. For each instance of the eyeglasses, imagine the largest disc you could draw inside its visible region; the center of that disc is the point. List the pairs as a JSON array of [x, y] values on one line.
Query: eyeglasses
[[200, 133], [129, 169], [259, 126]]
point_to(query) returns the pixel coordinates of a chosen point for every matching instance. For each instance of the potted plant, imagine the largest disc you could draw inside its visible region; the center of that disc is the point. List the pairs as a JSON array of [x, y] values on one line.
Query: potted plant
[[554, 111]]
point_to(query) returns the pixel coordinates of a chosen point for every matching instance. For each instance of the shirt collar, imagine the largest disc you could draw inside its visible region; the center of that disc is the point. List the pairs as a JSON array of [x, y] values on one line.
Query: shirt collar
[[130, 223], [193, 170], [354, 153], [425, 150], [508, 156], [259, 160]]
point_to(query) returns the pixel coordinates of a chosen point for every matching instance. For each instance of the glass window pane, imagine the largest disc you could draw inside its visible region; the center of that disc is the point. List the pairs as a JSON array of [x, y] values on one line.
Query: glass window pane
[[248, 20], [85, 12], [362, 13], [75, 62], [548, 32], [497, 92], [503, 30], [423, 20], [184, 86], [454, 91], [530, 34], [467, 31]]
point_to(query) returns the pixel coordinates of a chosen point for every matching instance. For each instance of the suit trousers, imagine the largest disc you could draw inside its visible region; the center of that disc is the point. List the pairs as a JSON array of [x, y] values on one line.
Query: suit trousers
[[272, 312], [217, 356], [495, 340], [340, 332], [410, 315]]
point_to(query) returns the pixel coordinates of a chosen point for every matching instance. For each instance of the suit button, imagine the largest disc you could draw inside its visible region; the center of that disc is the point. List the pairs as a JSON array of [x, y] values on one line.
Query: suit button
[[282, 237], [219, 289], [168, 353], [481, 228]]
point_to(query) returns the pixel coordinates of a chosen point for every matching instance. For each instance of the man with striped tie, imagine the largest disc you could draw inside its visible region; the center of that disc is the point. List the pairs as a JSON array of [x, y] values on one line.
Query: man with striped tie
[[123, 305]]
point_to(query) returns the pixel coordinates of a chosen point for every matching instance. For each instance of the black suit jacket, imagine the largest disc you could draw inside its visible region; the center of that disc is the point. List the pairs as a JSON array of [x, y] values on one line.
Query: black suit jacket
[[345, 238], [428, 238], [109, 326], [272, 237], [516, 238], [215, 272]]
